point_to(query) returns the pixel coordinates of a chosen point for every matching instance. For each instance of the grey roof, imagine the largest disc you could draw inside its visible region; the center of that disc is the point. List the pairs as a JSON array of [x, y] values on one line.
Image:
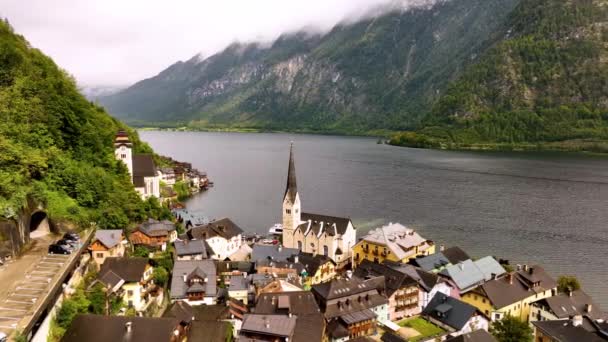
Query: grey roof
[[395, 280], [332, 225], [110, 278], [195, 288], [98, 328], [181, 267], [359, 316], [312, 262], [272, 252], [565, 331], [564, 305], [238, 283], [432, 262], [190, 247], [143, 165], [157, 228], [291, 189], [475, 336], [274, 325], [180, 310], [426, 280], [128, 269], [339, 288], [468, 274], [109, 237], [455, 254], [449, 311], [193, 218], [224, 228]]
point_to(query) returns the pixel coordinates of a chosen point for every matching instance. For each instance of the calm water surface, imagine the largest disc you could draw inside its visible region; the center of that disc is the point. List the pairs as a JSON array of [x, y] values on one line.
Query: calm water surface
[[545, 208]]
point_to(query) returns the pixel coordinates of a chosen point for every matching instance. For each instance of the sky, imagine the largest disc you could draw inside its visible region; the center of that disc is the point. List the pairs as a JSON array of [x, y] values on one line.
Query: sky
[[119, 42]]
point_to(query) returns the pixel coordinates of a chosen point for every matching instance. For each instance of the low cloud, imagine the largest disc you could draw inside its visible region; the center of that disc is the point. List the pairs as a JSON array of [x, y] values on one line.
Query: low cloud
[[117, 42]]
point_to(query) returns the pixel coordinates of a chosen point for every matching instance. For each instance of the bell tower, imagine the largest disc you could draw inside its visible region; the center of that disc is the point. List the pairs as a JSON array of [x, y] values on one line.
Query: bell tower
[[291, 205], [123, 150]]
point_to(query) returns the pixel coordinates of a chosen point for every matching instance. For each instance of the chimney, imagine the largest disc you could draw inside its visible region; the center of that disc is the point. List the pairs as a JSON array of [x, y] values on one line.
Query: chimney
[[494, 276], [296, 259], [128, 326], [510, 278], [569, 292], [185, 277], [280, 248], [519, 267], [525, 267], [531, 270], [461, 266], [441, 248], [588, 308], [577, 321], [266, 323]]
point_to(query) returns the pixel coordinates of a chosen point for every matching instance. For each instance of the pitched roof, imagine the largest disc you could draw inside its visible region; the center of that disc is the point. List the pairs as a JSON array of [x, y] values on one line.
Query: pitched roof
[[475, 336], [109, 237], [212, 331], [514, 287], [274, 325], [230, 266], [468, 274], [300, 303], [180, 310], [397, 238], [98, 328], [157, 228], [191, 247], [179, 287], [577, 302], [431, 262], [143, 165], [224, 228], [449, 311], [238, 283], [426, 280], [353, 295], [566, 331], [394, 279], [455, 254], [194, 218], [291, 189], [318, 224], [311, 262], [338, 288], [392, 337], [129, 269], [272, 252], [113, 280]]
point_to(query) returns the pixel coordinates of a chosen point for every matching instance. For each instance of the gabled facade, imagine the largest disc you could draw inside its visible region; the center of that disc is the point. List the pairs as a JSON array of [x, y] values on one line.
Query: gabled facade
[[468, 275], [107, 243], [453, 315], [563, 306], [331, 236], [142, 169], [155, 234], [393, 242], [223, 236], [194, 281], [130, 278], [512, 294]]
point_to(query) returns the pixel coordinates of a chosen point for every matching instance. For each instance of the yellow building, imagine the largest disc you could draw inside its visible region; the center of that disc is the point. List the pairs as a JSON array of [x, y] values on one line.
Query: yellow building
[[393, 242], [512, 293], [319, 268], [130, 278]]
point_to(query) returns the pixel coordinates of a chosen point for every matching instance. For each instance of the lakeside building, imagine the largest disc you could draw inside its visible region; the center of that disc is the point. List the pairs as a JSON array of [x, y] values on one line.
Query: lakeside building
[[513, 293], [562, 306], [576, 329], [107, 243], [467, 275], [154, 234], [331, 236], [454, 316], [141, 167], [393, 242], [223, 236]]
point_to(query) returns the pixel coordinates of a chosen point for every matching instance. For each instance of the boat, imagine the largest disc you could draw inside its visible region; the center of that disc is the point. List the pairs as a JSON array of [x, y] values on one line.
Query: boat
[[277, 229]]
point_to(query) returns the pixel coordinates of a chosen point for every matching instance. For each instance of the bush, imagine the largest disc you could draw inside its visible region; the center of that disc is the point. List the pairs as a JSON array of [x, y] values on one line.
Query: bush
[[511, 329], [567, 283]]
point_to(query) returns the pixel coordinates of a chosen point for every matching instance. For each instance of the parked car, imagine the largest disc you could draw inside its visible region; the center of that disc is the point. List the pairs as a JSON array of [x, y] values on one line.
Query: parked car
[[67, 243], [58, 249], [71, 236], [3, 337]]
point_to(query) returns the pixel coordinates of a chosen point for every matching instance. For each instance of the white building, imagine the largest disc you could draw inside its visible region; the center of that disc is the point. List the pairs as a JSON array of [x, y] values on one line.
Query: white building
[[223, 236], [312, 233], [141, 167]]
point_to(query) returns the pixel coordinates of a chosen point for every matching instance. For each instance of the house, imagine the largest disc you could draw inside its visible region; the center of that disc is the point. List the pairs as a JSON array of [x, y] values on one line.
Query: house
[[467, 275], [272, 252], [107, 243], [223, 236], [319, 268], [278, 286], [194, 281], [282, 270], [310, 323], [272, 328], [454, 254], [204, 323], [239, 288], [98, 328], [429, 283], [474, 336], [190, 218], [563, 306], [141, 167], [331, 236], [453, 315], [167, 175], [155, 234], [578, 328], [130, 278], [191, 250], [401, 289], [228, 269], [352, 307], [513, 293], [393, 242]]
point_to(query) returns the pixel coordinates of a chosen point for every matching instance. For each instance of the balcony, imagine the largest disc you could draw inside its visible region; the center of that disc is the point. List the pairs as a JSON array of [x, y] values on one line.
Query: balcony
[[375, 252]]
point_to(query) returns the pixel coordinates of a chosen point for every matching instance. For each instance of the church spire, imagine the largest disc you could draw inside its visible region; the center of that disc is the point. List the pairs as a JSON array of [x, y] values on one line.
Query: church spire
[[291, 189]]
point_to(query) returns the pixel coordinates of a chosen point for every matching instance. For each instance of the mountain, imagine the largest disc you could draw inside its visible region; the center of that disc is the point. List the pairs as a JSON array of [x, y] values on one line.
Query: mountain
[[56, 148], [382, 72], [544, 83], [93, 93]]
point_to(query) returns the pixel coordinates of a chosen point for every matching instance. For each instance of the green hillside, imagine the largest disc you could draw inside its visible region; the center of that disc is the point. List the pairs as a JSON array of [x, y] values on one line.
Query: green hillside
[[544, 85], [56, 147], [381, 73]]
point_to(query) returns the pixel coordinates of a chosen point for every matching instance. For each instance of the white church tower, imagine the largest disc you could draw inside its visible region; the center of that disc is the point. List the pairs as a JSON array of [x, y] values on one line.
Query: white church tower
[[123, 150], [291, 205]]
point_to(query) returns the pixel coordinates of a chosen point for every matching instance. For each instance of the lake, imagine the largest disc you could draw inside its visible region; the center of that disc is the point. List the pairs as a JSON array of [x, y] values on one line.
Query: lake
[[545, 208]]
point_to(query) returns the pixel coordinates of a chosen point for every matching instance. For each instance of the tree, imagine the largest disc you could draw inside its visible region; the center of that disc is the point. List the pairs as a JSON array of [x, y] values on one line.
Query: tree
[[141, 251], [511, 329], [567, 283], [161, 276]]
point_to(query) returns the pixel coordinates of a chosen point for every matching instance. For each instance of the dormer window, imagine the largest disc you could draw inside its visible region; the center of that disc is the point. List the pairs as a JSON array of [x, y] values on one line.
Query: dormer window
[[288, 211]]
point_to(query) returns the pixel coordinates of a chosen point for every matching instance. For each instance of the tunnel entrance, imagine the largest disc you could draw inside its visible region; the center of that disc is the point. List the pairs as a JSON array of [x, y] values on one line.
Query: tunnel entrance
[[39, 225]]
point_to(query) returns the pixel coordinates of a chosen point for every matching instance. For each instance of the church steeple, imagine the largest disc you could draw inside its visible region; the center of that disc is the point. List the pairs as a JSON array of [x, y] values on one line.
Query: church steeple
[[291, 189]]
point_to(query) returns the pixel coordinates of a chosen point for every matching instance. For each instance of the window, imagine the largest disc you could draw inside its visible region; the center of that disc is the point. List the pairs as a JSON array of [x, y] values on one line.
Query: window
[[123, 156], [287, 211], [325, 250], [130, 293], [483, 300], [99, 255], [300, 245]]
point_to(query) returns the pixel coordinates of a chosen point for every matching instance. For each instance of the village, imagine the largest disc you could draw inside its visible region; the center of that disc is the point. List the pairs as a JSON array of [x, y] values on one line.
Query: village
[[318, 279]]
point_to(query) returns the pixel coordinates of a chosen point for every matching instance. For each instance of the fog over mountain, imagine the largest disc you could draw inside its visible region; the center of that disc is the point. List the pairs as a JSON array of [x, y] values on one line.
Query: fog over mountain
[[120, 42]]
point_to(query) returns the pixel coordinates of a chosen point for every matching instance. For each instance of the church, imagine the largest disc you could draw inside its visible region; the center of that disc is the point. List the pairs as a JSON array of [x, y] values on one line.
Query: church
[[141, 167], [314, 233]]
